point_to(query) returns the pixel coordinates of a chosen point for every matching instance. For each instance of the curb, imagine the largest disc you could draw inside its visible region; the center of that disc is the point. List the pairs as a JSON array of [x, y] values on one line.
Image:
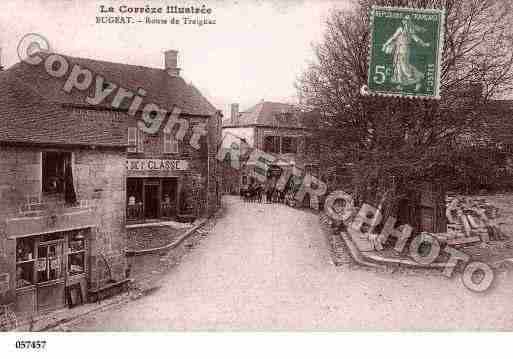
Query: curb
[[356, 254], [180, 239], [372, 257]]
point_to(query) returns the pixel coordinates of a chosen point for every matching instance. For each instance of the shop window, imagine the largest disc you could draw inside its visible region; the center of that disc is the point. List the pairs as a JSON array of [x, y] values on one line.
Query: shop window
[[169, 197], [272, 144], [54, 171], [76, 253], [134, 192], [135, 140], [289, 145], [25, 259], [49, 259], [170, 142]]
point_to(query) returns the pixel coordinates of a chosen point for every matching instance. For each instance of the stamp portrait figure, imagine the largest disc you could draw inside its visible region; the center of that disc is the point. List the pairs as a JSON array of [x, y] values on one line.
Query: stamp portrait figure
[[399, 45]]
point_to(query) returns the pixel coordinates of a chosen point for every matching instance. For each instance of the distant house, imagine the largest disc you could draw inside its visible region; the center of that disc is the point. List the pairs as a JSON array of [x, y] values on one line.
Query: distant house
[[279, 129]]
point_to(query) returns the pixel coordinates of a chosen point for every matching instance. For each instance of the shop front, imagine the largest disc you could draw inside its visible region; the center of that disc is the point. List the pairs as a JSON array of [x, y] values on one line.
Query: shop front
[[52, 270], [153, 189]]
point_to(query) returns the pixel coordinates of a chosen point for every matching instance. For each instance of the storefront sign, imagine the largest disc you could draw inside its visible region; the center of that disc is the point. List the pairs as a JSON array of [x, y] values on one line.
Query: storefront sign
[[156, 165]]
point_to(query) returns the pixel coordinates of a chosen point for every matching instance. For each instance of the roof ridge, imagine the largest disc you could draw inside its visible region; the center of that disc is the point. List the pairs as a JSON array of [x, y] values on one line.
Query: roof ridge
[[101, 61], [161, 88]]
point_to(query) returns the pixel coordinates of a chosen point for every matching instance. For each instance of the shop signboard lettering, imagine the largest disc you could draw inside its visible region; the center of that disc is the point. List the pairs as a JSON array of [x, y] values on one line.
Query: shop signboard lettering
[[156, 165]]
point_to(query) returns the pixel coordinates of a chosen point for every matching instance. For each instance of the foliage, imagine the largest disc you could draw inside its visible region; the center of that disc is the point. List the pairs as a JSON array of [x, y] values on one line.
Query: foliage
[[396, 140]]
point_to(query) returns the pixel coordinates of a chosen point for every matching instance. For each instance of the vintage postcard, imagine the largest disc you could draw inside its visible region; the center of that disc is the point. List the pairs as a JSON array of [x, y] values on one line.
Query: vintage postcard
[[261, 165]]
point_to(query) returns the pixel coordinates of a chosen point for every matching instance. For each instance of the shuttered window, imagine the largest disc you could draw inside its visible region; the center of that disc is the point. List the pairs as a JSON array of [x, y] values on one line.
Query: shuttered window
[[132, 139], [170, 143], [135, 140], [140, 141]]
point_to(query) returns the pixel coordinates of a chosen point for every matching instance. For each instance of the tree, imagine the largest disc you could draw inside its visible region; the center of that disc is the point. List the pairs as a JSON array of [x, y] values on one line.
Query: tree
[[397, 141]]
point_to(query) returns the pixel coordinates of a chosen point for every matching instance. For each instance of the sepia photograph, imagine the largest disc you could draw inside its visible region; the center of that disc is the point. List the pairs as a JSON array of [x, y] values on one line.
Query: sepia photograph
[[254, 166]]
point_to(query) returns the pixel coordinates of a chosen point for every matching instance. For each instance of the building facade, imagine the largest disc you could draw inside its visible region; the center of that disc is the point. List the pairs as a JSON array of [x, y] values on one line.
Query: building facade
[[75, 172], [275, 128], [62, 189], [170, 178]]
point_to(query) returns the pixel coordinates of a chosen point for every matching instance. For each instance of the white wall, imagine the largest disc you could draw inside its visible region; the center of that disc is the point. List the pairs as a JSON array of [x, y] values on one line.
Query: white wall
[[231, 135]]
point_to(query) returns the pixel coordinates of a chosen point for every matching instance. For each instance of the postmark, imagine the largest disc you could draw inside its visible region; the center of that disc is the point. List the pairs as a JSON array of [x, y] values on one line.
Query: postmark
[[405, 52]]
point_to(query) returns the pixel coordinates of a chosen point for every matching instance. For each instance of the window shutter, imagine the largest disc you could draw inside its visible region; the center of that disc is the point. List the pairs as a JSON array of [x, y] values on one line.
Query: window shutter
[[170, 143], [140, 141], [132, 139], [167, 143], [174, 144]]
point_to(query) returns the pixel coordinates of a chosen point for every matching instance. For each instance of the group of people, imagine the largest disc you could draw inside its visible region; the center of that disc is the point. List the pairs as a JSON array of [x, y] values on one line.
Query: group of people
[[254, 192]]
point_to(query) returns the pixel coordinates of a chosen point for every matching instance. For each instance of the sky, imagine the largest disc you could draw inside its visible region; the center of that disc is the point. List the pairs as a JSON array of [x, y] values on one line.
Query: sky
[[254, 52]]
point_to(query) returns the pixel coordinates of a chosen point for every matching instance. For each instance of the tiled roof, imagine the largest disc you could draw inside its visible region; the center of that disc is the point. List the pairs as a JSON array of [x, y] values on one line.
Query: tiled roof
[[161, 88], [274, 114], [35, 109], [27, 117]]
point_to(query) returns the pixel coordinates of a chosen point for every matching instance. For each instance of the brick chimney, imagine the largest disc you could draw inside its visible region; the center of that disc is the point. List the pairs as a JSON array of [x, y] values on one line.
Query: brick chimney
[[235, 113], [171, 63]]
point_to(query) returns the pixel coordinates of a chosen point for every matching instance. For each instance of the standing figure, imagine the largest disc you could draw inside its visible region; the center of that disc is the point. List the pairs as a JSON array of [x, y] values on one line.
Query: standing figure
[[399, 45]]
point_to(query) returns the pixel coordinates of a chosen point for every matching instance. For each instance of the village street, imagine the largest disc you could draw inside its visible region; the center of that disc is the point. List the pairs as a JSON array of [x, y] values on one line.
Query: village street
[[268, 267]]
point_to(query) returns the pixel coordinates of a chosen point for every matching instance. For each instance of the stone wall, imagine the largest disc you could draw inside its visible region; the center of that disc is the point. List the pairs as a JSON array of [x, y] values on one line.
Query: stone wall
[[99, 179]]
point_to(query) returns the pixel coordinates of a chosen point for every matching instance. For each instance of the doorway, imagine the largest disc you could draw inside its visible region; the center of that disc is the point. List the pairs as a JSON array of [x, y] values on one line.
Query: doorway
[[151, 200]]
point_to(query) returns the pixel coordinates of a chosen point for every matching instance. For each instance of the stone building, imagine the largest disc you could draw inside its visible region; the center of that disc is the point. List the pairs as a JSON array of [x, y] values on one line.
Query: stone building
[[75, 171], [276, 128], [62, 194], [167, 178]]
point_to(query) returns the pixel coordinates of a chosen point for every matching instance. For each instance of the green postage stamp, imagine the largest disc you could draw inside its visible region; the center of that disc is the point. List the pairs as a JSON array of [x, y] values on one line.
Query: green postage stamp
[[405, 52]]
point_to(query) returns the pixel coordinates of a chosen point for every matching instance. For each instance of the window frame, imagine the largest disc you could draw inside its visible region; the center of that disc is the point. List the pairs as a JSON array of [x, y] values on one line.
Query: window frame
[[135, 140], [64, 156], [170, 143], [275, 144], [294, 140]]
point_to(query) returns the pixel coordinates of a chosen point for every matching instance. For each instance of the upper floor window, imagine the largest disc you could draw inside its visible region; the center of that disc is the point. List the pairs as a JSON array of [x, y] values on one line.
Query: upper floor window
[[272, 144], [289, 145], [170, 142], [284, 116], [56, 168], [135, 140]]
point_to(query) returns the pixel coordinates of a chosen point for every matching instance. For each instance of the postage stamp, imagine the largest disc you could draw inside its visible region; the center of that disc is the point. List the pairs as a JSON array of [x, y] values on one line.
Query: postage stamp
[[405, 52]]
